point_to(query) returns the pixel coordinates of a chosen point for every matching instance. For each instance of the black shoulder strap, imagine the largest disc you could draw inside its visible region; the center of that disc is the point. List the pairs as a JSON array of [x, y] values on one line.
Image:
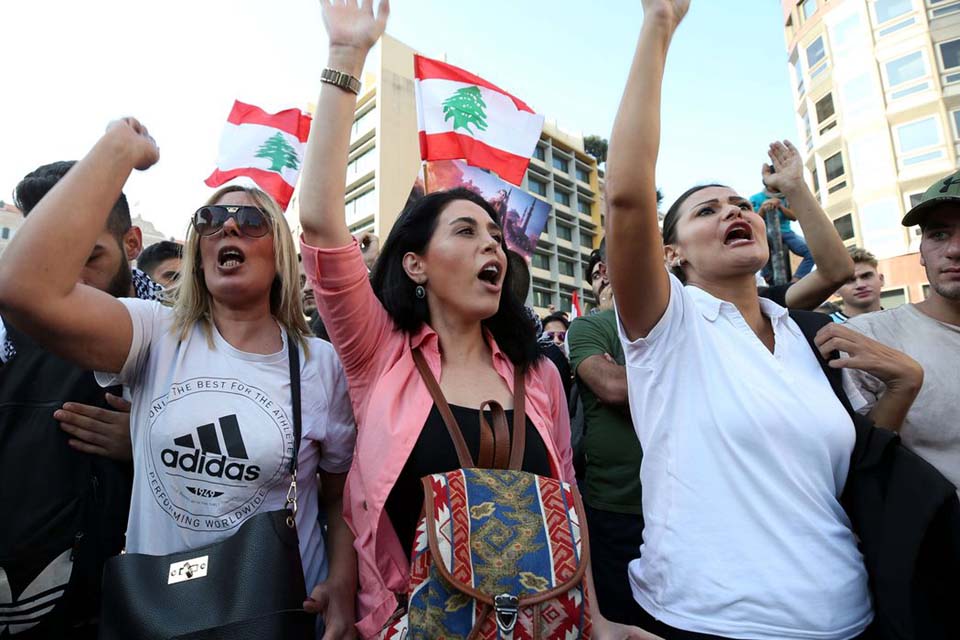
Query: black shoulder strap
[[810, 322], [294, 359]]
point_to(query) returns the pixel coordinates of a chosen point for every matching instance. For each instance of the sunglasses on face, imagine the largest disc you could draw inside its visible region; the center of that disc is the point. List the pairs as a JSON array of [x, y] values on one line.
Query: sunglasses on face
[[251, 221], [556, 335]]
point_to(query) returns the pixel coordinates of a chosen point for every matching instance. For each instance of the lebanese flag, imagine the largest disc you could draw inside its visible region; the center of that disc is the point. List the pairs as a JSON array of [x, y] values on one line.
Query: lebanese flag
[[575, 306], [265, 147], [462, 116]]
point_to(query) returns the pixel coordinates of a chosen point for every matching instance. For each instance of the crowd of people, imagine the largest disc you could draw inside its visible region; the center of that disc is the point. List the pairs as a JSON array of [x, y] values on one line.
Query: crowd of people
[[753, 463]]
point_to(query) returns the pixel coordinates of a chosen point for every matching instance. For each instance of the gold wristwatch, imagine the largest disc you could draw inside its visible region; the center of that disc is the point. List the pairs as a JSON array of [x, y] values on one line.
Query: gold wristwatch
[[342, 80]]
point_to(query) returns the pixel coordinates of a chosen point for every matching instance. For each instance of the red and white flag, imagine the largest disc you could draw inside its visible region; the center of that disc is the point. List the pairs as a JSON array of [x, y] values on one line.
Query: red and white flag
[[462, 116], [575, 306], [265, 147]]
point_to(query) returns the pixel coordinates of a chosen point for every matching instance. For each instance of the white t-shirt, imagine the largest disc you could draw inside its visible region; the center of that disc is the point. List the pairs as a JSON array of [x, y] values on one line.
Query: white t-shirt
[[745, 455], [212, 433]]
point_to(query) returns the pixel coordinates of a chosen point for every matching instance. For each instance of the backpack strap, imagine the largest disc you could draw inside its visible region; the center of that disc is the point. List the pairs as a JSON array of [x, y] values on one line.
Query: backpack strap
[[810, 322], [501, 453], [463, 453], [519, 420], [493, 442]]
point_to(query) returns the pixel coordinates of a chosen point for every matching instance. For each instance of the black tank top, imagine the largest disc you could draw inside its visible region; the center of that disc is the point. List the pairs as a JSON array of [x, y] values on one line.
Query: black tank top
[[434, 453]]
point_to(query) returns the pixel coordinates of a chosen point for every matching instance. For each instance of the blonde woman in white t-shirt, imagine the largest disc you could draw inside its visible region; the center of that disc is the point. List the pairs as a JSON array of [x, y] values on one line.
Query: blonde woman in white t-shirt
[[211, 422], [746, 447]]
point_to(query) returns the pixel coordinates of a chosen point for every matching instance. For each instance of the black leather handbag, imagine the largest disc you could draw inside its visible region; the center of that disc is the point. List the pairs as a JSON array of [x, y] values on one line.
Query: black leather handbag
[[250, 585]]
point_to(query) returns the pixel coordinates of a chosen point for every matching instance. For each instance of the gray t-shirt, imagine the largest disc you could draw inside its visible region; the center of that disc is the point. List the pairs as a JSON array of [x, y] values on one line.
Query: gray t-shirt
[[932, 428]]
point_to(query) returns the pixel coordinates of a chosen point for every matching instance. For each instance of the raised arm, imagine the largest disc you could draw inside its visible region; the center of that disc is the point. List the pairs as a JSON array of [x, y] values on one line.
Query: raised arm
[[834, 265], [39, 291], [352, 30], [634, 243]]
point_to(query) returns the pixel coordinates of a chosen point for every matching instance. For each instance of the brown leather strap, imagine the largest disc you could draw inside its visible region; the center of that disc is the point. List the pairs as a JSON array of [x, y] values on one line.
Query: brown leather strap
[[487, 453], [519, 420], [501, 455], [463, 453]]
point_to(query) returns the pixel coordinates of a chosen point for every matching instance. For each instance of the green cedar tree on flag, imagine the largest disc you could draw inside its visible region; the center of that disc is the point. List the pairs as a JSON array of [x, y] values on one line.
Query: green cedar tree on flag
[[264, 147], [462, 116]]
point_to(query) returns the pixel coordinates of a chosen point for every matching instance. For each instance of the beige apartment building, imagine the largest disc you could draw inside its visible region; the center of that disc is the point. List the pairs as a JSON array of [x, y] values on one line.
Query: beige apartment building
[[876, 87], [385, 160]]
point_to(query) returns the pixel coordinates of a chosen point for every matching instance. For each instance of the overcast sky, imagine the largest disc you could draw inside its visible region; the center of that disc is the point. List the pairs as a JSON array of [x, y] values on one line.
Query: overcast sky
[[69, 67]]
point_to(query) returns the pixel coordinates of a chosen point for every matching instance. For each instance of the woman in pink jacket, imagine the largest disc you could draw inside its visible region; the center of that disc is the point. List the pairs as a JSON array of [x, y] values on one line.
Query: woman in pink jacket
[[441, 285]]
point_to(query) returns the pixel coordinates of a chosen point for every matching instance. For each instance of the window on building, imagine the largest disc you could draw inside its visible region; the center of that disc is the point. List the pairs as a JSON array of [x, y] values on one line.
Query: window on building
[[540, 153], [844, 226], [846, 32], [915, 139], [364, 124], [586, 239], [797, 73], [808, 131], [825, 109], [889, 9], [565, 232], [566, 302], [542, 299], [808, 8], [915, 199], [583, 175], [539, 187], [892, 298], [880, 228], [561, 163], [918, 135], [566, 267], [956, 123], [5, 234], [583, 206], [950, 54], [562, 197], [816, 183], [362, 165], [815, 52], [833, 167], [541, 261], [361, 207], [905, 69]]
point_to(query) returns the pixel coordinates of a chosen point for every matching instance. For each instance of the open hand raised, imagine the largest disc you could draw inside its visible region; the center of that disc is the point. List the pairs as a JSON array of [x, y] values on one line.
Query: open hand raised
[[786, 170], [354, 26], [136, 140]]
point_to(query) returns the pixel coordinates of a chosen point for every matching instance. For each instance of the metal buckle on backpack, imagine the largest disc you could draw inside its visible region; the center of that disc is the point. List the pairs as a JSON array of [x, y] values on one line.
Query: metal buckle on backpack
[[506, 607]]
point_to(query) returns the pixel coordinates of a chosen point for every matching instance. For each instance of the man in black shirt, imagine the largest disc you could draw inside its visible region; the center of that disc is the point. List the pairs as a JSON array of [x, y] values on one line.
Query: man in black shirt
[[64, 451]]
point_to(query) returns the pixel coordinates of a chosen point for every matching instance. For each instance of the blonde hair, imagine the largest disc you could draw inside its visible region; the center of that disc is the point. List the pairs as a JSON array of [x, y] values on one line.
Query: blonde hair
[[191, 299], [862, 256]]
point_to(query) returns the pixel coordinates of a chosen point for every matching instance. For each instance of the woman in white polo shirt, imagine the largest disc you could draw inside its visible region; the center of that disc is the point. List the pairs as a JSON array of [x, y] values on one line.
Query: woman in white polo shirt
[[746, 447]]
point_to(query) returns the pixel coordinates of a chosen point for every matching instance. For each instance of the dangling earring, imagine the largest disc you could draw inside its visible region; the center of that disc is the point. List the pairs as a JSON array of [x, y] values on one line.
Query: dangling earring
[[420, 292]]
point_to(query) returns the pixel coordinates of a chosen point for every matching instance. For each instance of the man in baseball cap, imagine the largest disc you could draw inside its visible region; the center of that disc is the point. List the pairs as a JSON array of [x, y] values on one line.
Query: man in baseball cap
[[928, 331]]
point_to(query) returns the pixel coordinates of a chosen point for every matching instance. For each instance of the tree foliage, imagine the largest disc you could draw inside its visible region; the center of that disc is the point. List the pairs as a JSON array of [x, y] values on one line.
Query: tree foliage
[[597, 147]]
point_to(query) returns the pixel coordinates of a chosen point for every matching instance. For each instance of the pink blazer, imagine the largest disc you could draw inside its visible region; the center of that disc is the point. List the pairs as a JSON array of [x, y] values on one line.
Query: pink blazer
[[391, 404]]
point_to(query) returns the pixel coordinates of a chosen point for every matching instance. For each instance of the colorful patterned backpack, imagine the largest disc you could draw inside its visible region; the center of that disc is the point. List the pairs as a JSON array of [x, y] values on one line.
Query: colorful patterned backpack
[[499, 552]]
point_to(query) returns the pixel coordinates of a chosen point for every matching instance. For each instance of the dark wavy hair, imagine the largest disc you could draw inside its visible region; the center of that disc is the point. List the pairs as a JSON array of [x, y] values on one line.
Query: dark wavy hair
[[36, 184], [510, 326], [673, 216]]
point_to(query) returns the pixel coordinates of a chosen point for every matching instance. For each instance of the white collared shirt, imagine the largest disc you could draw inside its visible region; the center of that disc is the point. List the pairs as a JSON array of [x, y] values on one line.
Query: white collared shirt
[[746, 453]]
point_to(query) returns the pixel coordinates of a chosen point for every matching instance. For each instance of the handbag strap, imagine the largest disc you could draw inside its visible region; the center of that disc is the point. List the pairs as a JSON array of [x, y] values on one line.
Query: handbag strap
[[293, 358], [491, 455]]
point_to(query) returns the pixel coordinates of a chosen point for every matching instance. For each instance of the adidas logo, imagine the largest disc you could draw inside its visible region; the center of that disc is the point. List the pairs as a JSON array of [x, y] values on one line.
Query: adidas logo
[[38, 599], [208, 458]]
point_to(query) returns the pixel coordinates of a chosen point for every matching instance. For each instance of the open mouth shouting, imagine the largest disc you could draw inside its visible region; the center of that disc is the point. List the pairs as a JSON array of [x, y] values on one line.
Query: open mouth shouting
[[229, 258], [491, 275], [739, 233]]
